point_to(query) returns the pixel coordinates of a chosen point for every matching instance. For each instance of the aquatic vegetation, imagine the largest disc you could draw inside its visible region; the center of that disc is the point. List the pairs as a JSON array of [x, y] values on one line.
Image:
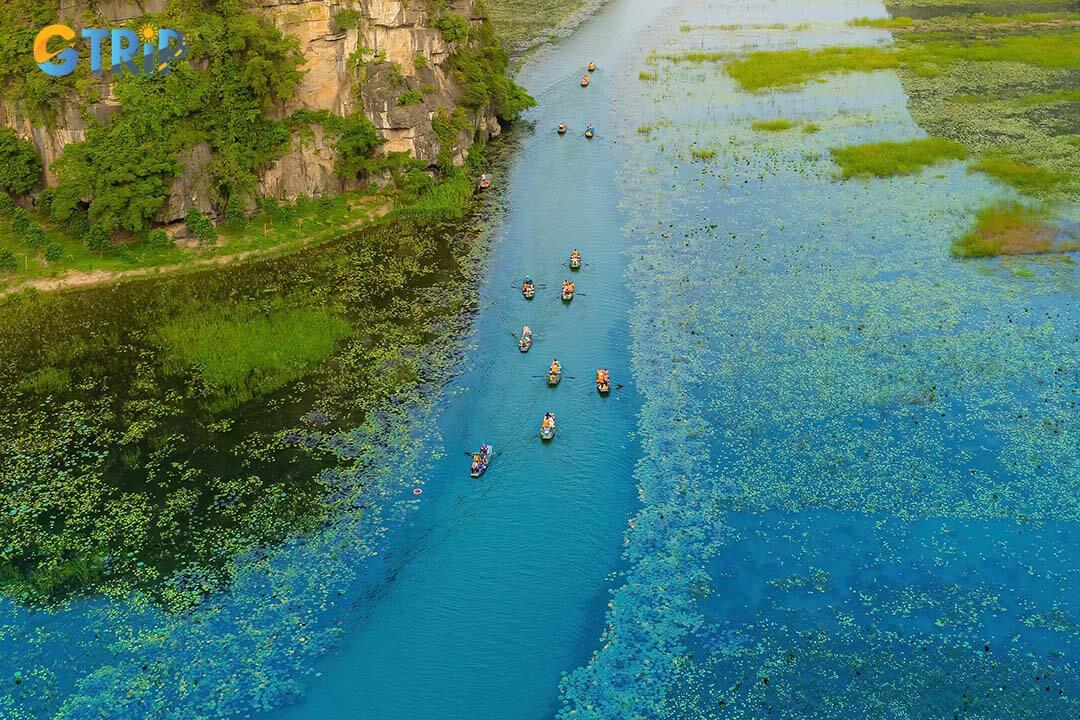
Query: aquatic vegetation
[[775, 125], [647, 76], [786, 68], [1006, 228], [120, 423], [895, 158], [704, 154], [245, 351], [1024, 177], [831, 372]]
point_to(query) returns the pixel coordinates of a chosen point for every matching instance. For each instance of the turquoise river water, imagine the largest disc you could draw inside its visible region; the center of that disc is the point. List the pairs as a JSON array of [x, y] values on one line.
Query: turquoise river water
[[839, 478]]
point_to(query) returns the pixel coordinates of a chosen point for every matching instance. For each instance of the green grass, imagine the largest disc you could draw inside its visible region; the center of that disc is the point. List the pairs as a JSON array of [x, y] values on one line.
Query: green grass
[[243, 352], [887, 23], [810, 128], [703, 154], [775, 125], [787, 68], [446, 199], [46, 381], [885, 159], [1006, 228], [1028, 179], [783, 68], [903, 22], [308, 221], [647, 76]]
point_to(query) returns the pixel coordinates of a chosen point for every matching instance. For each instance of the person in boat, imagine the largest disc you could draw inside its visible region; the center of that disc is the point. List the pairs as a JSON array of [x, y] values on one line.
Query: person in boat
[[484, 450], [562, 127], [584, 80], [575, 255], [526, 332], [549, 420], [526, 283], [555, 366]]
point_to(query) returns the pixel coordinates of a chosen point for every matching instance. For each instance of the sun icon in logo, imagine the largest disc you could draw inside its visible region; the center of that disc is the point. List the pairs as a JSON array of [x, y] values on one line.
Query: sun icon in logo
[[147, 33]]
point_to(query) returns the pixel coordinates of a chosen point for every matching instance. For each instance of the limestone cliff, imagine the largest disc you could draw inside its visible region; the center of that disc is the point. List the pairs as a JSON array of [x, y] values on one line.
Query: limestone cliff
[[412, 56]]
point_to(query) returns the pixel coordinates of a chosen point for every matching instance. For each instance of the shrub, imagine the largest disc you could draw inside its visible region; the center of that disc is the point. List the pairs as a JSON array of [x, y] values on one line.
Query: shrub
[[200, 227], [7, 205], [419, 60], [158, 239], [43, 202], [20, 167], [20, 221], [54, 252], [34, 235], [346, 18], [357, 139], [410, 97], [455, 28], [8, 263], [235, 216], [98, 240]]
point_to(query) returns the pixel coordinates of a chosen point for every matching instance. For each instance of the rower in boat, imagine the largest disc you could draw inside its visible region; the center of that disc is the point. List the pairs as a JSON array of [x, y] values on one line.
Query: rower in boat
[[528, 288], [480, 461], [589, 131], [592, 67], [554, 373], [603, 381], [584, 81], [562, 128], [568, 290], [547, 426], [575, 260], [525, 341]]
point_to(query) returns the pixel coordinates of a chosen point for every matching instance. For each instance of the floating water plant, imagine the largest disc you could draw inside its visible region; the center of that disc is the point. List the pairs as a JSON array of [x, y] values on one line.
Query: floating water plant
[[895, 158]]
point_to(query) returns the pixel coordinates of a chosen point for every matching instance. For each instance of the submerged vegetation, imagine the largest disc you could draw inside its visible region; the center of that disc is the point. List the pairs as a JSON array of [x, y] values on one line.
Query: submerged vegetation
[[895, 158]]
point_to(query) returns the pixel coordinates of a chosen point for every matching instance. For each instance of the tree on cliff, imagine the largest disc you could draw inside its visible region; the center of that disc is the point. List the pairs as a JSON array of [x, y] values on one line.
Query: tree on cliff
[[20, 167]]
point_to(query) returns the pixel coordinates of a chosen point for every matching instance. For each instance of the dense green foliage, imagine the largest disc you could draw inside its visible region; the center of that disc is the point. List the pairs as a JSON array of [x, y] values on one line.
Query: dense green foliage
[[28, 90], [481, 66], [125, 166], [20, 167]]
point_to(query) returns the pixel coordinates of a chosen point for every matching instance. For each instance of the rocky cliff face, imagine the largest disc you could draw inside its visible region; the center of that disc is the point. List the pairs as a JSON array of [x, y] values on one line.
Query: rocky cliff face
[[414, 57], [399, 32]]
